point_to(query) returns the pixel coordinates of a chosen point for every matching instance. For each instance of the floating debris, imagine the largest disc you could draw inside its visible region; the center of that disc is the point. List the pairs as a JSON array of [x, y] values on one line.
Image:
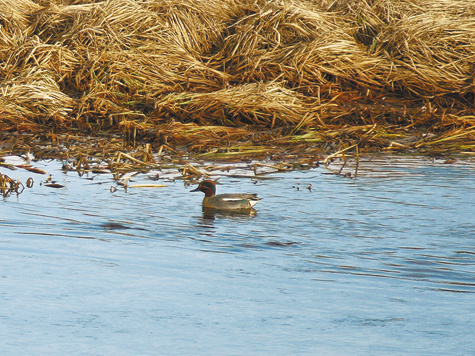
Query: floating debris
[[54, 185], [33, 169], [9, 186], [30, 182], [148, 185]]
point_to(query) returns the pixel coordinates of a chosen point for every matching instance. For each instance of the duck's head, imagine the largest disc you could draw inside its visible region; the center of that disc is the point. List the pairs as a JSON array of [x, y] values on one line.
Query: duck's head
[[208, 187]]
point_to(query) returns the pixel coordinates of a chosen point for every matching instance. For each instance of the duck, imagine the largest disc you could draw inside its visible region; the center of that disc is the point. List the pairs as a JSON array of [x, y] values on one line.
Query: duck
[[227, 202]]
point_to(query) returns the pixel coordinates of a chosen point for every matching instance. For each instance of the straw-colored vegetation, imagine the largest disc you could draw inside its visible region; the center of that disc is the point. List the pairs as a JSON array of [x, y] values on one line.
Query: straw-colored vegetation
[[248, 76]]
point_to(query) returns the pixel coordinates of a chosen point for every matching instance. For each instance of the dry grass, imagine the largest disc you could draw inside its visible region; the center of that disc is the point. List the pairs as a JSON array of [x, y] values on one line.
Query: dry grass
[[211, 74]]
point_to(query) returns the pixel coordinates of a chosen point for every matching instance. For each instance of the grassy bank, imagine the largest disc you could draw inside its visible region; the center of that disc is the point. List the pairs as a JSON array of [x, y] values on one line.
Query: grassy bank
[[238, 77]]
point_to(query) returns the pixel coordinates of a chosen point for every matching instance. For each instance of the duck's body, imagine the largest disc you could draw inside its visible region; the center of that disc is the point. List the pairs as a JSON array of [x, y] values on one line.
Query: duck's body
[[230, 201], [234, 202]]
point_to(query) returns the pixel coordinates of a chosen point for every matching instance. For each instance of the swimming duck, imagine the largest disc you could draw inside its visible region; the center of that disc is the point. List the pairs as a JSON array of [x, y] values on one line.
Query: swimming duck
[[225, 201]]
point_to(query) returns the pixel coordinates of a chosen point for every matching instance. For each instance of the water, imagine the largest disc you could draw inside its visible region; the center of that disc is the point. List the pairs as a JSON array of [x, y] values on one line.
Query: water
[[380, 265]]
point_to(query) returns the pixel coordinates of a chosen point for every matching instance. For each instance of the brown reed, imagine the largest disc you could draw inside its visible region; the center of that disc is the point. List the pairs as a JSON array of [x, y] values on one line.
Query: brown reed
[[208, 75]]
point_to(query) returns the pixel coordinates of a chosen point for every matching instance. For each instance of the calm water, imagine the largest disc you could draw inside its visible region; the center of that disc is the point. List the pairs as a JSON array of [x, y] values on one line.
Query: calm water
[[380, 265]]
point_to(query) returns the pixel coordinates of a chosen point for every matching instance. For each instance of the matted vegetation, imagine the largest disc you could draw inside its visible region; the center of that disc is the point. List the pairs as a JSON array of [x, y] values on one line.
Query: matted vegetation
[[228, 77]]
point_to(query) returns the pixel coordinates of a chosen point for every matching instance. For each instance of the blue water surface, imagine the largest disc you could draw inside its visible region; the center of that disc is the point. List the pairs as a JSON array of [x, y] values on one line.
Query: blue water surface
[[379, 265]]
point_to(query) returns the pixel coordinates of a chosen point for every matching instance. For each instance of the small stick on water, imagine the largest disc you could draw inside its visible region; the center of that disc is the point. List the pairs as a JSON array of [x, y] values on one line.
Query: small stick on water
[[325, 161], [344, 163], [122, 154], [357, 160]]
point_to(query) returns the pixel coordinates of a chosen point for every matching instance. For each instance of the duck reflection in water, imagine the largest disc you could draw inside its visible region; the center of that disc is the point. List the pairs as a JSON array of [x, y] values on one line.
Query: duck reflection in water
[[206, 222], [210, 213]]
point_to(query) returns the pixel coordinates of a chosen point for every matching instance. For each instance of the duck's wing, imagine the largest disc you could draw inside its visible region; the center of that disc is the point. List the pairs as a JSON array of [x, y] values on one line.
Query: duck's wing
[[236, 201], [234, 197]]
